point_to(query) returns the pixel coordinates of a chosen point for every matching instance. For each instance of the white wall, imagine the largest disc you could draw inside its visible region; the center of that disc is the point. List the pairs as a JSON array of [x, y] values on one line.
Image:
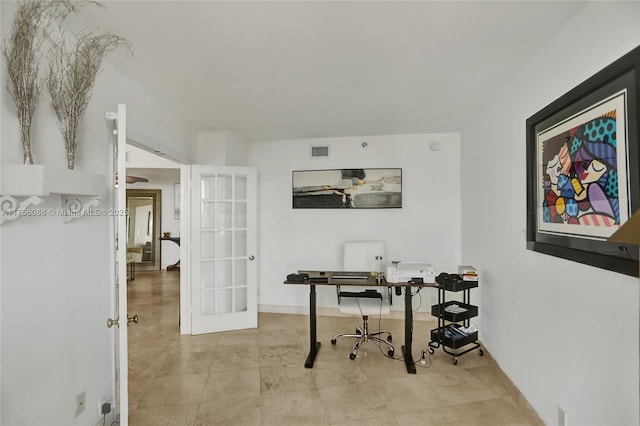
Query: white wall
[[140, 158], [56, 290], [427, 227], [565, 333], [220, 148]]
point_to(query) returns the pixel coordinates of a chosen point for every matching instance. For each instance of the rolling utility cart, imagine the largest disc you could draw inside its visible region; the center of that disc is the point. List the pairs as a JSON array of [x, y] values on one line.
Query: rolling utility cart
[[453, 318]]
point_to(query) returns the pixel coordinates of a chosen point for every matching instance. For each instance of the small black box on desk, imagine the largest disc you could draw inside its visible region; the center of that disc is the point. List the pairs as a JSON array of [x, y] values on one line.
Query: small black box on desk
[[297, 278], [454, 282]]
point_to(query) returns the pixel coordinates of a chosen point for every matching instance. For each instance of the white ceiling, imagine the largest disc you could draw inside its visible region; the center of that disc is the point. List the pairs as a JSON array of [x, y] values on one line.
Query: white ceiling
[[156, 176], [300, 69], [159, 170]]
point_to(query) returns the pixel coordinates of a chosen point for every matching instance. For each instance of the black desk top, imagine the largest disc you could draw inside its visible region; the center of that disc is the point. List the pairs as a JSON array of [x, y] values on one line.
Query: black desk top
[[174, 239], [369, 282]]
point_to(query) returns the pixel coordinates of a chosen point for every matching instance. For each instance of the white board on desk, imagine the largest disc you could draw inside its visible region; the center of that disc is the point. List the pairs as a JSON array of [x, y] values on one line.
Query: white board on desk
[[360, 256]]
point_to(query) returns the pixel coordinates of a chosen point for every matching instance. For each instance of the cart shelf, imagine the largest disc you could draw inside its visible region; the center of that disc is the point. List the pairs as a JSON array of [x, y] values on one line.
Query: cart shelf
[[470, 311], [452, 318]]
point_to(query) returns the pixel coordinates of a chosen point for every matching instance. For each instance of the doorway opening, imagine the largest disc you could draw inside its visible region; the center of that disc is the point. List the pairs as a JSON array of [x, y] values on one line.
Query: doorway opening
[[153, 203]]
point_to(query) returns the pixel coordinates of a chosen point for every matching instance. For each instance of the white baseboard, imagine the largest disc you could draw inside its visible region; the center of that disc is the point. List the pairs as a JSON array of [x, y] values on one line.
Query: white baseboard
[[335, 312]]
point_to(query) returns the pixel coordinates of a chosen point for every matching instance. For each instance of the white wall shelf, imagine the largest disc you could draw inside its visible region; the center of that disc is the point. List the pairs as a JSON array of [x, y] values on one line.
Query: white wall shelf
[[78, 191], [40, 180]]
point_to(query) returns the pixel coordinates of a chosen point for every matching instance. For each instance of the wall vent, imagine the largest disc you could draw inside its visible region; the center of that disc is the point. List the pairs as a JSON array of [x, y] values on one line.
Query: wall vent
[[320, 151]]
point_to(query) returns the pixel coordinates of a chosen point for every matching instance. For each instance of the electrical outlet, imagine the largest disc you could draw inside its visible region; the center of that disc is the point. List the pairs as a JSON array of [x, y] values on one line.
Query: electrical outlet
[[81, 401], [101, 401], [562, 417]]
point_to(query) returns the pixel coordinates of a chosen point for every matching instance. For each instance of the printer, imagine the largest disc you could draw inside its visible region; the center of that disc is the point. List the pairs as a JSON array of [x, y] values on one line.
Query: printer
[[403, 272]]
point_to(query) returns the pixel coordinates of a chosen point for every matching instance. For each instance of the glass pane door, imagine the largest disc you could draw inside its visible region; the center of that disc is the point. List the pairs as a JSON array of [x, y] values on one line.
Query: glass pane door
[[225, 238]]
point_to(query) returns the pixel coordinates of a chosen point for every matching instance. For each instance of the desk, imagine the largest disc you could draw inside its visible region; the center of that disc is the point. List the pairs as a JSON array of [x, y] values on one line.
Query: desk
[[314, 345], [175, 266], [131, 263]]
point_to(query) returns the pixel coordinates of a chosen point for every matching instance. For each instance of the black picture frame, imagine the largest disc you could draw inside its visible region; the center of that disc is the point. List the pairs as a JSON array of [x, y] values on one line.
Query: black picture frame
[[571, 211], [368, 188]]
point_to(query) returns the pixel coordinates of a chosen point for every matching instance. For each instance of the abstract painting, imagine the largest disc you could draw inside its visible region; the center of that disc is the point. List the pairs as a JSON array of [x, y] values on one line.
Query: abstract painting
[[583, 173], [347, 189], [583, 178]]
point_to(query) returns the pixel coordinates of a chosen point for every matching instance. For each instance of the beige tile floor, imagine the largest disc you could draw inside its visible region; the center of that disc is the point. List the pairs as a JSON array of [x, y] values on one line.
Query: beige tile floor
[[257, 377]]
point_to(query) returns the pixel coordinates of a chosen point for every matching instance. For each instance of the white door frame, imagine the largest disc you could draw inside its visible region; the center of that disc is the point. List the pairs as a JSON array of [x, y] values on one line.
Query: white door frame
[[185, 251], [185, 239], [121, 373], [140, 141]]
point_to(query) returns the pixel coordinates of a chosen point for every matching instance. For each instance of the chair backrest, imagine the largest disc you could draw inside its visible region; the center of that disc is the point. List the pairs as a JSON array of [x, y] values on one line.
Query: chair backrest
[[360, 256]]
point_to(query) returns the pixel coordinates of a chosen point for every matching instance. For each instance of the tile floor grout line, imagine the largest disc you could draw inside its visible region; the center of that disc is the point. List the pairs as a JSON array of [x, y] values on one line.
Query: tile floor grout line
[[489, 391]]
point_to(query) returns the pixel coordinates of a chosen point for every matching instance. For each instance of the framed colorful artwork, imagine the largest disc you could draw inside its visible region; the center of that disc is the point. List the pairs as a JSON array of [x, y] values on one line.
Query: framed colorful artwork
[[347, 189], [583, 179]]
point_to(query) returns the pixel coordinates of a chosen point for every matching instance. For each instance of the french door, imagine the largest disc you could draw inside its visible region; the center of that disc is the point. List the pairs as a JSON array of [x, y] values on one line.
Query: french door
[[119, 227], [224, 290]]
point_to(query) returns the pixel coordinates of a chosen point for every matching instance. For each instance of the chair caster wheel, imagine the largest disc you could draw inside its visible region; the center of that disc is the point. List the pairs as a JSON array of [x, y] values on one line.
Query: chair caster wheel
[[455, 360], [389, 338], [333, 341], [390, 353], [480, 352], [358, 331], [430, 350], [352, 356]]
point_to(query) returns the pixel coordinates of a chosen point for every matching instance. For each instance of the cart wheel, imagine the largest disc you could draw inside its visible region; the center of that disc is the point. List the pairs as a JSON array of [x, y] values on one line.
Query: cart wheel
[[430, 350], [455, 360], [390, 353], [333, 341], [352, 356], [480, 351], [389, 338]]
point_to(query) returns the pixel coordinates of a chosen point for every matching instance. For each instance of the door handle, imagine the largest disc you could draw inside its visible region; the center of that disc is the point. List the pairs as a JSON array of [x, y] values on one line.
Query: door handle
[[111, 322], [252, 257]]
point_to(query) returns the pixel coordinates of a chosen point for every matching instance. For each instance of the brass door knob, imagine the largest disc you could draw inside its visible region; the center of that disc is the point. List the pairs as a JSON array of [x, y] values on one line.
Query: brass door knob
[[111, 323], [133, 319]]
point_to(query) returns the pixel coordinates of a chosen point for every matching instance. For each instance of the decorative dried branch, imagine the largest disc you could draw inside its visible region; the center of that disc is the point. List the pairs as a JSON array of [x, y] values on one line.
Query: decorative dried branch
[[73, 68], [22, 51]]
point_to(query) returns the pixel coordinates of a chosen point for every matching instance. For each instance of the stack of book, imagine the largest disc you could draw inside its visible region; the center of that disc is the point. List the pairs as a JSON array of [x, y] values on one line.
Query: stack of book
[[468, 273], [453, 332], [455, 309]]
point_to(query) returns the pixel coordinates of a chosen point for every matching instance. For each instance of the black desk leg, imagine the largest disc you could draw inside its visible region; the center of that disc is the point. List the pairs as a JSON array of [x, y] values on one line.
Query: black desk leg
[[314, 346], [408, 332]]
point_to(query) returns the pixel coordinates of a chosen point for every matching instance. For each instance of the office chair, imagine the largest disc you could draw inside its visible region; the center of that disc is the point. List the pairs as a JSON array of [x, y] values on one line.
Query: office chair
[[359, 256], [365, 303]]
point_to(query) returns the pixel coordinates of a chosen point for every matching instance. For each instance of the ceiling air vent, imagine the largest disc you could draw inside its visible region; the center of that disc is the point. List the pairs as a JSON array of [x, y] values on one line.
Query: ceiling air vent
[[319, 151]]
